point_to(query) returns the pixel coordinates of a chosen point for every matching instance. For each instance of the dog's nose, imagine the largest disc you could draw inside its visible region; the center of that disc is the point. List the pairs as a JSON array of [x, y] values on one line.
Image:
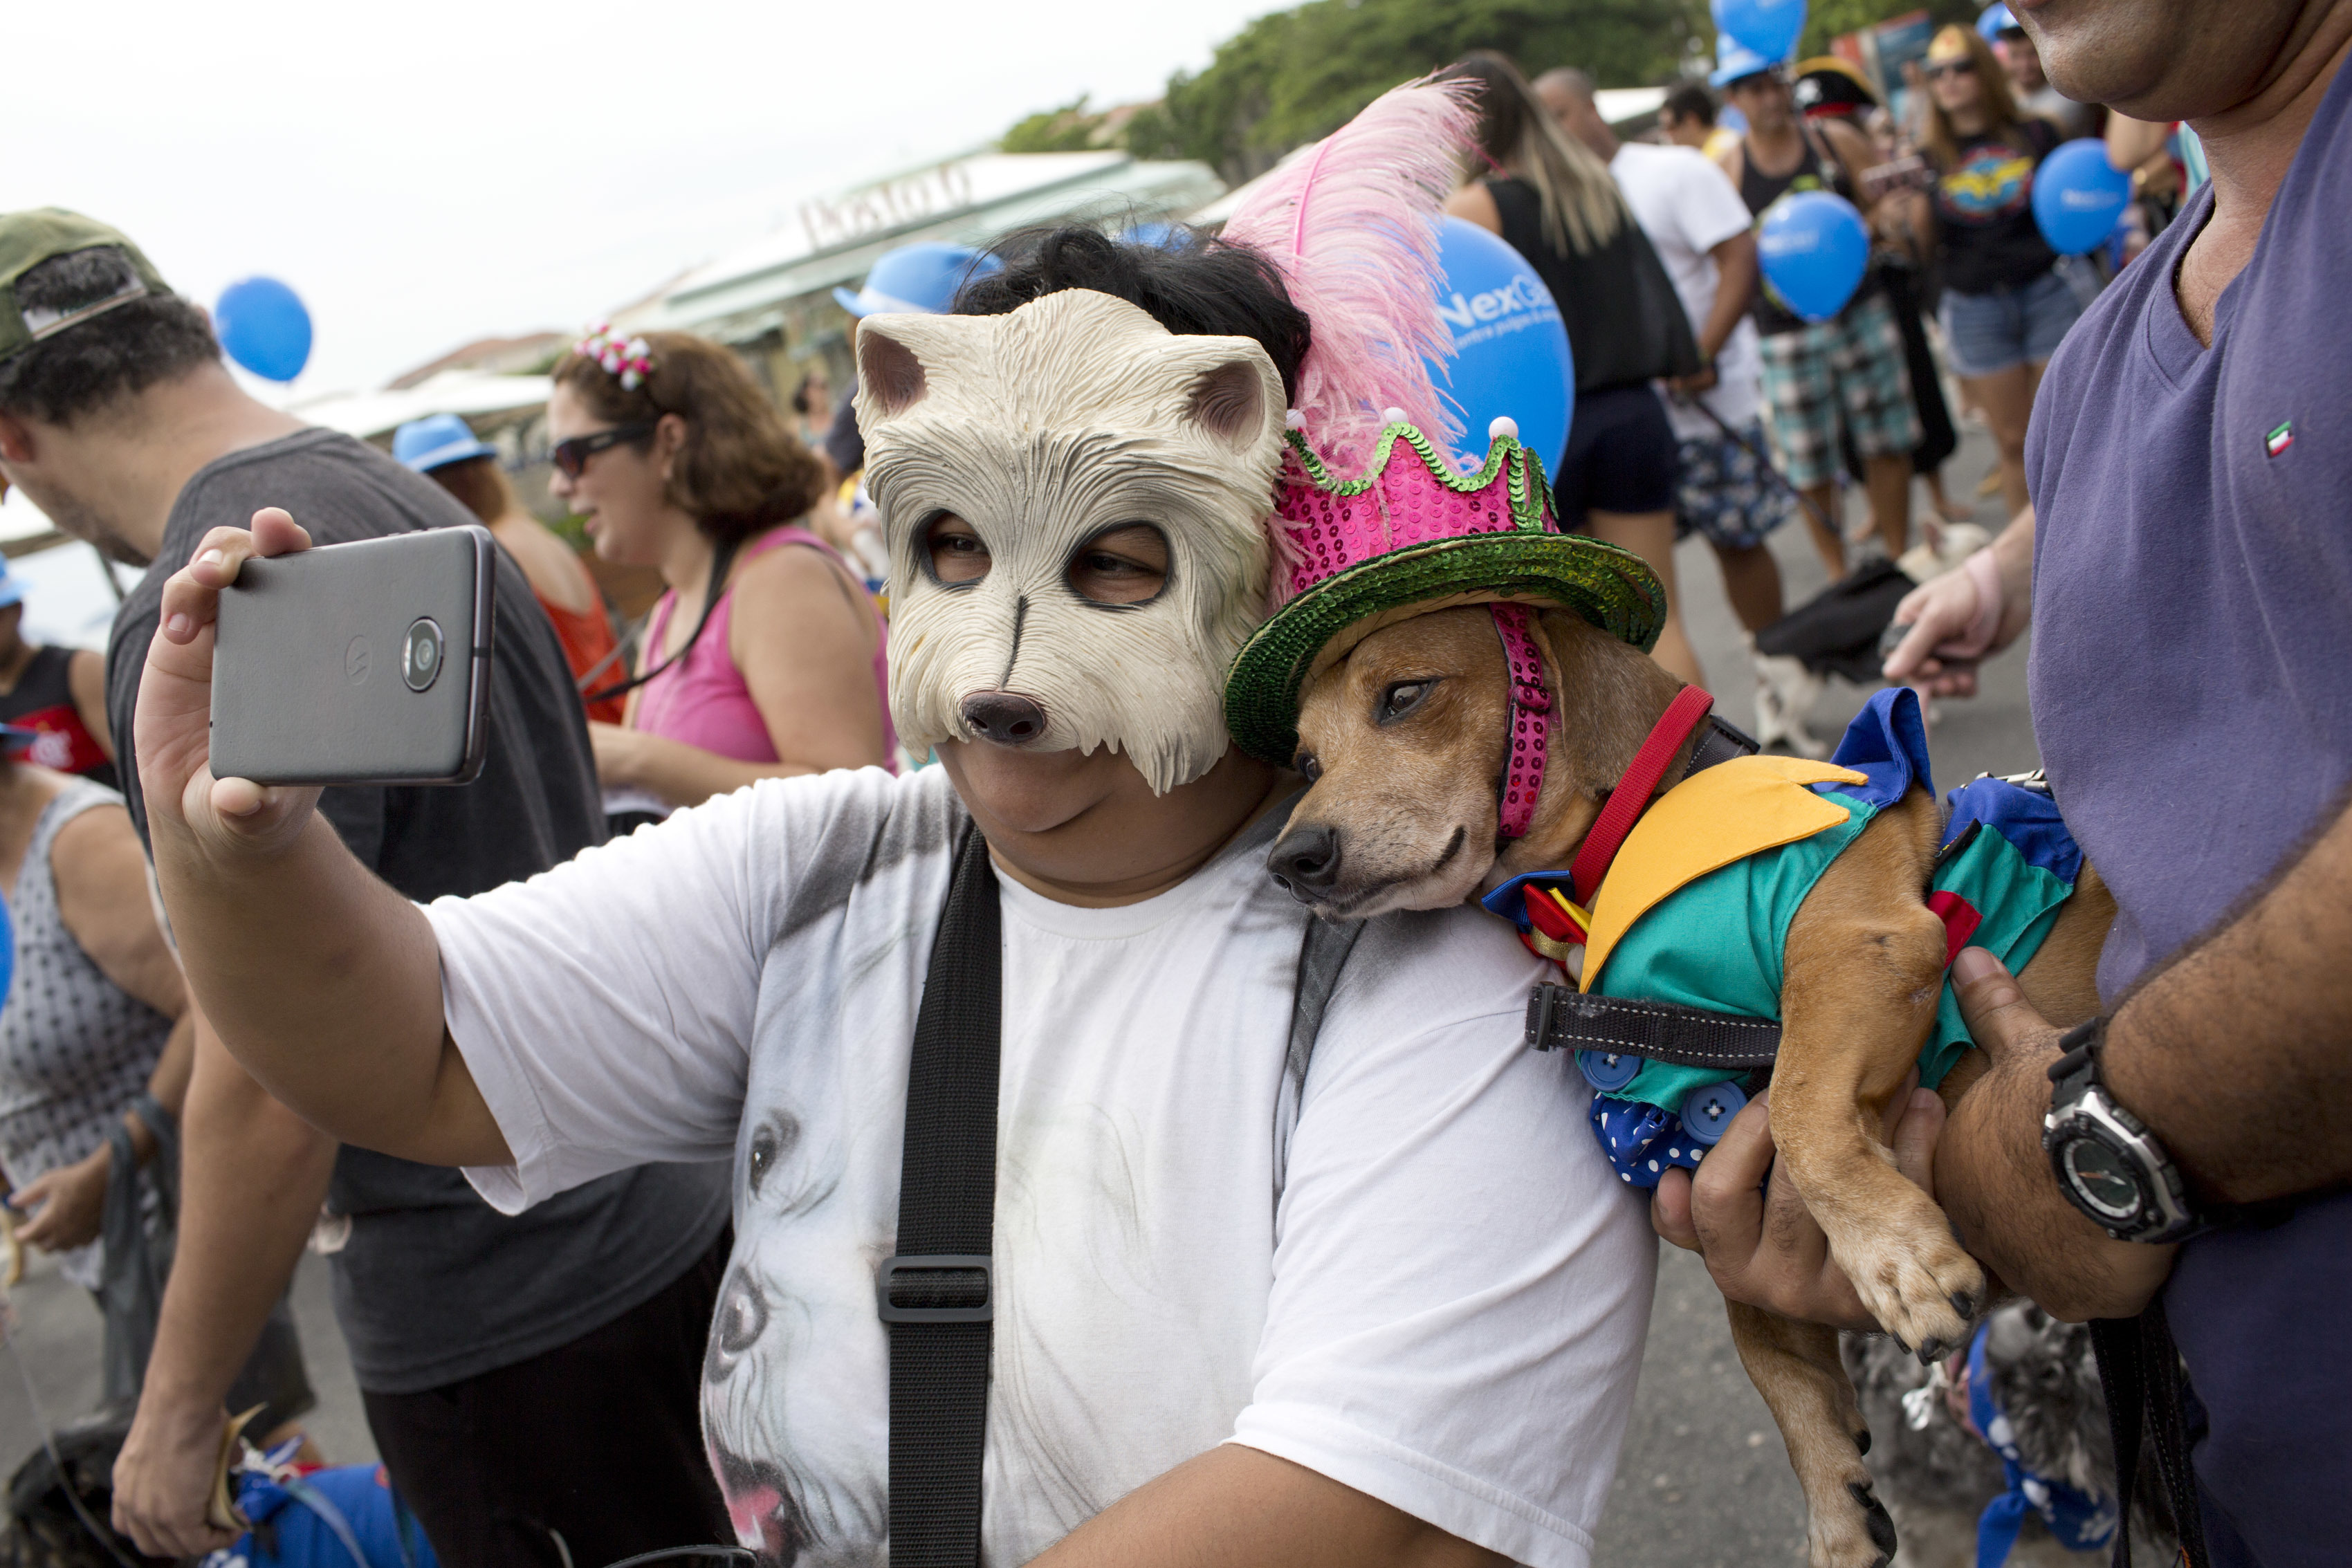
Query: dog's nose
[[1307, 861], [1007, 718]]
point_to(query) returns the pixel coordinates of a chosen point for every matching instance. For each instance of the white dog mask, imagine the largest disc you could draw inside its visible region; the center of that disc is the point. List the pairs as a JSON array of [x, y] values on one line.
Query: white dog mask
[[1042, 429]]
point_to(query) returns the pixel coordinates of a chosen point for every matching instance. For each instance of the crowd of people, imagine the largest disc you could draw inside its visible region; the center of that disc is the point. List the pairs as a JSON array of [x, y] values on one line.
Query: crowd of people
[[591, 1076]]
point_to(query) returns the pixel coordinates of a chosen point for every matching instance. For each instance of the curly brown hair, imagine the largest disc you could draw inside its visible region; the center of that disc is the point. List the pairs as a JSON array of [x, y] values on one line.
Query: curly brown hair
[[741, 472]]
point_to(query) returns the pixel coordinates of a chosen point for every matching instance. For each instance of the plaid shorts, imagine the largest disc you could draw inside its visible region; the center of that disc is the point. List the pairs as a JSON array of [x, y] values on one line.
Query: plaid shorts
[[1847, 369], [1723, 490]]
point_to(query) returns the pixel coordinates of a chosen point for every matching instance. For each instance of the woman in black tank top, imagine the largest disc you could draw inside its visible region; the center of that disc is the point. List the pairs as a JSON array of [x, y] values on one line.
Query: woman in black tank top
[[1553, 201]]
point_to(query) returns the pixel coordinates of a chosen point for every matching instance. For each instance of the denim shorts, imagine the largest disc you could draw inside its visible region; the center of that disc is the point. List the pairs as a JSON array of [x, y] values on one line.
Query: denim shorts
[[2014, 325]]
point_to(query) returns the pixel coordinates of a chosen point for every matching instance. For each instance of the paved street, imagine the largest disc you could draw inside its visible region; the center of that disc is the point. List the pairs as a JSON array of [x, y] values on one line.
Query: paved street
[[1704, 1482]]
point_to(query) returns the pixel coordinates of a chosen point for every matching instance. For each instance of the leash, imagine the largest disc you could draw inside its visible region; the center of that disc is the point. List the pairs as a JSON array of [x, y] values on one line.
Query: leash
[[1634, 789], [104, 1537]]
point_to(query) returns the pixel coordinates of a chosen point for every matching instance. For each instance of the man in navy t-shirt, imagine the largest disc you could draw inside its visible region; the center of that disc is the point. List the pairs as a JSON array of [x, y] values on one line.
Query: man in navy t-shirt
[[2190, 595]]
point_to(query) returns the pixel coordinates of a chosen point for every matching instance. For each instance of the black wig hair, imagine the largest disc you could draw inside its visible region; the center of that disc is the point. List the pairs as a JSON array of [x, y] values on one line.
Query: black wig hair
[[1205, 288]]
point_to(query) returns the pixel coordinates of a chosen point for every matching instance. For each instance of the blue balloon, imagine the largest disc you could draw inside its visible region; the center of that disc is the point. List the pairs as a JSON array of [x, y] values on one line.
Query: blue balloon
[[2079, 196], [264, 327], [1815, 250], [1771, 27], [1511, 357]]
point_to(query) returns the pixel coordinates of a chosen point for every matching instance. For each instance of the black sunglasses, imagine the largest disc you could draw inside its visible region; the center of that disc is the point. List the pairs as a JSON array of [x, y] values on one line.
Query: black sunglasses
[[1951, 68], [570, 458]]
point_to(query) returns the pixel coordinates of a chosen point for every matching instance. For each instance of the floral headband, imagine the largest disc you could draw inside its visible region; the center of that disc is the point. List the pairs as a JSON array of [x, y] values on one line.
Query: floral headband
[[630, 359]]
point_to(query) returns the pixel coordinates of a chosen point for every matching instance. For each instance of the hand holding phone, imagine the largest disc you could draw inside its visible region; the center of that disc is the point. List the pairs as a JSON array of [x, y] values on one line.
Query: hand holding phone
[[356, 664]]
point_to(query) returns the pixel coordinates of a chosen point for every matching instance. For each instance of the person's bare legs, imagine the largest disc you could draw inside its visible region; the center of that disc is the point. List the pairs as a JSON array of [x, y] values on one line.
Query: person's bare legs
[[1888, 481], [1651, 536], [1951, 511], [2007, 398], [1823, 521], [1751, 580]]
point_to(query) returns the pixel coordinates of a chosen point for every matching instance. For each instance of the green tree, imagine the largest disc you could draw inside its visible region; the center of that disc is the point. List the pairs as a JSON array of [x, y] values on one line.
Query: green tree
[[1828, 18], [1069, 128], [1297, 75]]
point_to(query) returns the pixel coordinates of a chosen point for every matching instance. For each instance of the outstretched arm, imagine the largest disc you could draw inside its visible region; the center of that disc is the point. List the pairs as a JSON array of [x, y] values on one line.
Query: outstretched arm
[[1237, 1508], [322, 980]]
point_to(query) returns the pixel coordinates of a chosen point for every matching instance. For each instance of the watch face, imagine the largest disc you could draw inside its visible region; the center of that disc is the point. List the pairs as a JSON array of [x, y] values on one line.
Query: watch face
[[2102, 1175]]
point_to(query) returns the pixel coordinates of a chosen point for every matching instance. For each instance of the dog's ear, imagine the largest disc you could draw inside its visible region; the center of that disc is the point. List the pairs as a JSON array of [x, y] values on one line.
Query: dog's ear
[[888, 371], [1228, 401]]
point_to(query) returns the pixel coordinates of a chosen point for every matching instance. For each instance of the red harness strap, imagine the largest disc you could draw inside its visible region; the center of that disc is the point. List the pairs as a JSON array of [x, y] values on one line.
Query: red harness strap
[[1630, 797]]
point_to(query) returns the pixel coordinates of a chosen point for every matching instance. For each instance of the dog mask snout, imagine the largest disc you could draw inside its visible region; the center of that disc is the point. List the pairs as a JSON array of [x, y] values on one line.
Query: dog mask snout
[[1307, 861], [1008, 718]]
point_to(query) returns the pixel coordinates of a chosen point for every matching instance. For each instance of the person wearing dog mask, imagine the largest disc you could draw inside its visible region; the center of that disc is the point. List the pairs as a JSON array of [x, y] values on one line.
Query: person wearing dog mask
[[1241, 1311], [2186, 586]]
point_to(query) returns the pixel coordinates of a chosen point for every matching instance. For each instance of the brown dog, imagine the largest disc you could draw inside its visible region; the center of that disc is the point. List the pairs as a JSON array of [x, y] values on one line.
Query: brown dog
[[1404, 743]]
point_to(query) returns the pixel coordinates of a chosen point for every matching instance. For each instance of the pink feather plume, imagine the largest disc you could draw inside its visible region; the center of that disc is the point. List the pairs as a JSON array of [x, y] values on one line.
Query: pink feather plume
[[1352, 224]]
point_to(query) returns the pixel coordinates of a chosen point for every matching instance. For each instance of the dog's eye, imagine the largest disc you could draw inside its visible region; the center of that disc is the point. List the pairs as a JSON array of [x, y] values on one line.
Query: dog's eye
[[1401, 699], [1309, 766]]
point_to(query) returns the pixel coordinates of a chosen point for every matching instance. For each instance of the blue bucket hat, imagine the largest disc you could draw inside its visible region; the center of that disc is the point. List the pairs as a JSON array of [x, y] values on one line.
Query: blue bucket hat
[[436, 441], [918, 277], [1995, 20], [1735, 61]]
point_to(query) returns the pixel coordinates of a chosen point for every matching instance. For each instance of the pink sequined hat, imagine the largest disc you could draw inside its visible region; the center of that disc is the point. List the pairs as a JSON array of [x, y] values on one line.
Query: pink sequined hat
[[1351, 224], [1412, 536]]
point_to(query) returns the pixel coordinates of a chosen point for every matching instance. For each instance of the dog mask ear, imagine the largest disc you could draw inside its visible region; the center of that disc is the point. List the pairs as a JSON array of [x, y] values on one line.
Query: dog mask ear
[[889, 369], [1228, 401]]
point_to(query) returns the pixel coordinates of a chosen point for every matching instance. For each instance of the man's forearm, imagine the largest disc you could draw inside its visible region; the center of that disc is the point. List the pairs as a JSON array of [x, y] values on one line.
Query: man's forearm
[[2235, 1054], [1237, 1507], [1994, 1183], [253, 1175], [326, 984]]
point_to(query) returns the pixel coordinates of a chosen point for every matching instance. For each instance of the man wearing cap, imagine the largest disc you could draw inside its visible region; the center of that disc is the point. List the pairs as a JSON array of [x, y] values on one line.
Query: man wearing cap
[[1823, 379], [57, 694], [2188, 577], [524, 1378]]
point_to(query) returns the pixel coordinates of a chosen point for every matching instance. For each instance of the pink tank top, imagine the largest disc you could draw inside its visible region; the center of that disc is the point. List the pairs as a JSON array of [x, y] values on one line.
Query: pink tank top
[[702, 699]]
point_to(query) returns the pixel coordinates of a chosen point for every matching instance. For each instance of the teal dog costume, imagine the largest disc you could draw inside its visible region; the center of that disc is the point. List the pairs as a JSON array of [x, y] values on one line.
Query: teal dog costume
[[1710, 949]]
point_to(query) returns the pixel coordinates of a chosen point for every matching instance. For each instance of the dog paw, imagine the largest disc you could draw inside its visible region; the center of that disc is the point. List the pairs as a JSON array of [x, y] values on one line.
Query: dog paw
[[1923, 1289], [1850, 1530]]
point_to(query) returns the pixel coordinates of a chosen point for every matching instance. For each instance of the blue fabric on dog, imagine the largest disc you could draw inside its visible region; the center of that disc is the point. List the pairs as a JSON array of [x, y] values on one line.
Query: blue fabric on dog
[[2076, 1519], [1642, 1141], [346, 1517]]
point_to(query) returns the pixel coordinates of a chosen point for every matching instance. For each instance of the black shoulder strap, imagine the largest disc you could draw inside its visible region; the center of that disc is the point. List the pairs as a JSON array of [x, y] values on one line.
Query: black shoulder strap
[[938, 1295], [2139, 1373]]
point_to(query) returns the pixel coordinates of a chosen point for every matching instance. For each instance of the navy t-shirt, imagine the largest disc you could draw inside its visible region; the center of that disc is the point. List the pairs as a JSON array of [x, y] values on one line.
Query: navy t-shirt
[[2191, 680]]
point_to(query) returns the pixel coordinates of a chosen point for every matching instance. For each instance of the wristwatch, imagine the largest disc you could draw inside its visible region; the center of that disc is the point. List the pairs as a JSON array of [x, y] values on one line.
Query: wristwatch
[[2107, 1163]]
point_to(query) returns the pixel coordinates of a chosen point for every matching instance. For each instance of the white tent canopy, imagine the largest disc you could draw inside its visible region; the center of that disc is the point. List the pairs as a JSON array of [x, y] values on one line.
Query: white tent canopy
[[371, 414]]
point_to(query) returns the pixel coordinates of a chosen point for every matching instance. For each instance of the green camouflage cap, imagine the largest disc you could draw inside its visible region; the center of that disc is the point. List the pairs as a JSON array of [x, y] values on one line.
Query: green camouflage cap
[[28, 240]]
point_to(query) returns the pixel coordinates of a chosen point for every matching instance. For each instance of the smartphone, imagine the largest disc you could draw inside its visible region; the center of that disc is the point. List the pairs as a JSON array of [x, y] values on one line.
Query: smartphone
[[357, 663]]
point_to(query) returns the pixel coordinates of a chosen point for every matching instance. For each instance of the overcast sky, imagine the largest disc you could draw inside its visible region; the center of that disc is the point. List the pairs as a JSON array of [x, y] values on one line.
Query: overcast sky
[[427, 173]]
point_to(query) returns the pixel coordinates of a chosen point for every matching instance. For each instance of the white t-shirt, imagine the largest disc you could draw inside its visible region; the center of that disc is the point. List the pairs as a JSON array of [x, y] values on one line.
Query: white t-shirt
[[1430, 1287], [1688, 206]]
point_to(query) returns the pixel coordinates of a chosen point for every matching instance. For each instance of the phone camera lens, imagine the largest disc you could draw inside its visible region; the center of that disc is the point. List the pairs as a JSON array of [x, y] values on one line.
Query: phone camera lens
[[420, 659]]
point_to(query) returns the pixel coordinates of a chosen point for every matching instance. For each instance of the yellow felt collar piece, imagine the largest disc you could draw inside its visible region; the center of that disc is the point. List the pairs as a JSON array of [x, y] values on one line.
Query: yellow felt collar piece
[[1726, 813]]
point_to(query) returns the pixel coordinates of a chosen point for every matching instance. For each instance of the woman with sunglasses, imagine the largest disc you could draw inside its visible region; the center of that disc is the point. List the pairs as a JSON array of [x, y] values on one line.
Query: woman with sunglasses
[[2005, 304], [762, 661]]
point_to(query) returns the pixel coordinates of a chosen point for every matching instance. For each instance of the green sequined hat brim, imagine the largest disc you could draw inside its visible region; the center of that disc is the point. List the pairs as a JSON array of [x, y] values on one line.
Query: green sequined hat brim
[[1612, 588]]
